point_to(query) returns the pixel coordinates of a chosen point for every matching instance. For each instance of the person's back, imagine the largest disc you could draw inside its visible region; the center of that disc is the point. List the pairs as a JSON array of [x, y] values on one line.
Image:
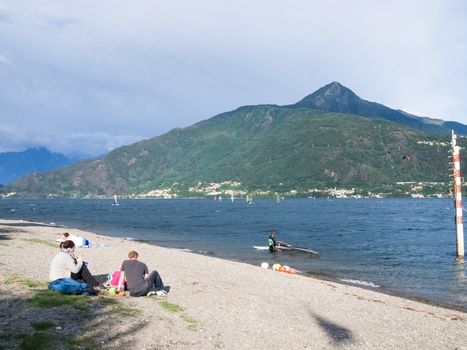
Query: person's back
[[138, 279], [62, 266], [135, 271]]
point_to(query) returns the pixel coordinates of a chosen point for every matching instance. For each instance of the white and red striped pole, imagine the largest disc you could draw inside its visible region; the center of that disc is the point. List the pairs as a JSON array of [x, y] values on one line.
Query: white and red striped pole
[[458, 197]]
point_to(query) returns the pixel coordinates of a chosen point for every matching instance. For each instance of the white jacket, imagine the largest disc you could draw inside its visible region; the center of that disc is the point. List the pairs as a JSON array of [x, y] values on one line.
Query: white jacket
[[62, 266]]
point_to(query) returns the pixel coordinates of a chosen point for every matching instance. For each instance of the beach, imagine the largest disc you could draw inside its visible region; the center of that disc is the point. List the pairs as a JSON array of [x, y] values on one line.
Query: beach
[[215, 303]]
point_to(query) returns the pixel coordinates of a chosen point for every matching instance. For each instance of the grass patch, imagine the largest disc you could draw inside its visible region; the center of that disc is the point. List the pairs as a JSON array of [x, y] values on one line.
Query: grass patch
[[47, 299], [12, 336], [32, 284], [116, 308], [46, 341], [42, 326], [12, 279], [191, 323], [29, 283], [11, 340], [36, 341], [125, 311], [86, 343], [170, 307], [40, 241]]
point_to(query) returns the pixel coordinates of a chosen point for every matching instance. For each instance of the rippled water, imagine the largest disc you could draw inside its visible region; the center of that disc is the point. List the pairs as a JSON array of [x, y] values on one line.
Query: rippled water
[[404, 246]]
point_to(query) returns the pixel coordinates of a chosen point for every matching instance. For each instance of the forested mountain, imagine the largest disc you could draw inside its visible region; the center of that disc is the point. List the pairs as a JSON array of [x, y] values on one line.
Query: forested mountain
[[264, 149]]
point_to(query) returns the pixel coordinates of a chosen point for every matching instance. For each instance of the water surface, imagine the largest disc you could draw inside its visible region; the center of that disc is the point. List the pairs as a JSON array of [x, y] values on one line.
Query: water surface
[[404, 246]]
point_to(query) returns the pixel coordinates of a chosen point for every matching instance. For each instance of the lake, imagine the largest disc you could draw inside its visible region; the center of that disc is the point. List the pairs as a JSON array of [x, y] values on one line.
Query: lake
[[401, 246]]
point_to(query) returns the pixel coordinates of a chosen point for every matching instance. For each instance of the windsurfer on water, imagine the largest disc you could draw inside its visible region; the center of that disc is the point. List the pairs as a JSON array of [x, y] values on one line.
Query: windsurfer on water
[[272, 241]]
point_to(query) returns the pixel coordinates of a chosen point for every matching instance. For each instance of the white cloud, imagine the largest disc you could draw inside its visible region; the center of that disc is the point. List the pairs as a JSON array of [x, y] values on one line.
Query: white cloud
[[87, 144], [145, 67]]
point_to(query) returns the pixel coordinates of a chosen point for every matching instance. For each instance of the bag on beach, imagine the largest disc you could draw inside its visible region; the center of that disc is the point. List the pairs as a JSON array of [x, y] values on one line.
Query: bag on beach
[[68, 286], [113, 278]]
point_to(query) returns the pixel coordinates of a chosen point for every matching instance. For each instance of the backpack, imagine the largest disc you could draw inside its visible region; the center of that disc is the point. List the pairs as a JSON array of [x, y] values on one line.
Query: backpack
[[68, 286], [113, 278]]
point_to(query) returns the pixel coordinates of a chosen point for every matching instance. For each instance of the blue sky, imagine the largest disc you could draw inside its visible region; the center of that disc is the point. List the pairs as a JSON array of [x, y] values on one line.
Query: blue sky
[[89, 76]]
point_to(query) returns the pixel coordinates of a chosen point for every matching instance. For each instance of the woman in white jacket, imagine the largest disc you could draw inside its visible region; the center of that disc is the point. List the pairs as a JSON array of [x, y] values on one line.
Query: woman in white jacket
[[66, 265]]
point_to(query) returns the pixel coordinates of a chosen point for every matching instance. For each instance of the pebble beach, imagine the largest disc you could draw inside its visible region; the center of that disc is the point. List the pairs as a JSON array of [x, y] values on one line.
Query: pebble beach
[[221, 303]]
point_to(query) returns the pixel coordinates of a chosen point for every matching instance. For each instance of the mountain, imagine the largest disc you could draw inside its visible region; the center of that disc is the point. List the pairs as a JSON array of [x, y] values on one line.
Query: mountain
[[318, 143], [335, 97], [15, 165], [267, 148]]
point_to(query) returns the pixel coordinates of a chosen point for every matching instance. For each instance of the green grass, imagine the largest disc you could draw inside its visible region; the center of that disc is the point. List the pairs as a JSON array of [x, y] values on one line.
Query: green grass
[[43, 325], [170, 307], [32, 284], [191, 323], [48, 299], [37, 341], [11, 336], [40, 241], [124, 311], [28, 283], [46, 341], [45, 298], [43, 336], [83, 343], [12, 279]]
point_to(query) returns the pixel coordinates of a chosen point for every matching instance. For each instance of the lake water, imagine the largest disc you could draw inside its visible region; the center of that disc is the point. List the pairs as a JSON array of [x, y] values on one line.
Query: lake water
[[401, 246]]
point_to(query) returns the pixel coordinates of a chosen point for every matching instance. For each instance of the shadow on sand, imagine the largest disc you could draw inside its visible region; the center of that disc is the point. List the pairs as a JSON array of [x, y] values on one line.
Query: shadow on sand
[[337, 334]]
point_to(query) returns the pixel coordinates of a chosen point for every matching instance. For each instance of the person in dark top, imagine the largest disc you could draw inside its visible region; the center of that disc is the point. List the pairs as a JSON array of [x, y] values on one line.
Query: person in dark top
[[272, 241], [138, 279]]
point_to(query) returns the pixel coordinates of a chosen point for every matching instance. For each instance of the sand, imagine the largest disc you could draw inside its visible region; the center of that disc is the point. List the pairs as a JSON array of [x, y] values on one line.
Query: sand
[[220, 303]]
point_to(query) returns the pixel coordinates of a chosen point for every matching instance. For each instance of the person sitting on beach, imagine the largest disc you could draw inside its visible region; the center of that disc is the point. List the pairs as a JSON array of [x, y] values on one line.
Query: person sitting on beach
[[138, 279], [66, 265], [78, 241]]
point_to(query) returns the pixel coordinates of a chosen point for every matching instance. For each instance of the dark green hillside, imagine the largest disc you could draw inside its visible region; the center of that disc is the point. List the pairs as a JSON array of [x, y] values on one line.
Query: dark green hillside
[[263, 147]]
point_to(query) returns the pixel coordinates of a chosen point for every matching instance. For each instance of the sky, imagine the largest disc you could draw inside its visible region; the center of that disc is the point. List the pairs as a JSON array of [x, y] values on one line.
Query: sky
[[85, 77]]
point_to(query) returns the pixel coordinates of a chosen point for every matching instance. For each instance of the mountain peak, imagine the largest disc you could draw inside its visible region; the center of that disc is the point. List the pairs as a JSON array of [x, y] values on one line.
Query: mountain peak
[[331, 97], [335, 88]]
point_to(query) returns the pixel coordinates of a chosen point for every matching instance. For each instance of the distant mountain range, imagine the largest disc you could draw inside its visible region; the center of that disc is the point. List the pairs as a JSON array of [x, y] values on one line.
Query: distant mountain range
[[330, 139], [15, 165]]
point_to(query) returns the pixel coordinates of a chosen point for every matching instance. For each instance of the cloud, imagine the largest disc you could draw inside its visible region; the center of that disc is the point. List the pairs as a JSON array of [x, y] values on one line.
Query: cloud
[[145, 67], [85, 144]]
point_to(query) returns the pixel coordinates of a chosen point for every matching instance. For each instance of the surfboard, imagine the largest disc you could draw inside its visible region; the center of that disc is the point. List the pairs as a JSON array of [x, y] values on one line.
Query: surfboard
[[261, 247], [287, 248]]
